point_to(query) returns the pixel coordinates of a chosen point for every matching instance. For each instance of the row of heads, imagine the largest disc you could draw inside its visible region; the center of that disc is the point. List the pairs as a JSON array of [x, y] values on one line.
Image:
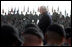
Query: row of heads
[[11, 36]]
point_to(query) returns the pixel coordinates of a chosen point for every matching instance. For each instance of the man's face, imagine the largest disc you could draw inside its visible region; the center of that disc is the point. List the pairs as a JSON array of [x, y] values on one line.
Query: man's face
[[31, 40], [42, 9]]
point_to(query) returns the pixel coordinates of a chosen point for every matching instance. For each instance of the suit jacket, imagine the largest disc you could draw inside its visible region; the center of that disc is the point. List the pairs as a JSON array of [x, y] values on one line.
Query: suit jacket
[[44, 22]]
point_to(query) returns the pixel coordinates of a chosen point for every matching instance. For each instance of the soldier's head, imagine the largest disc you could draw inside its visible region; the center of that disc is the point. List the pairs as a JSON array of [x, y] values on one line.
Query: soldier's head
[[26, 12], [35, 12], [55, 35], [54, 10], [33, 37], [9, 36]]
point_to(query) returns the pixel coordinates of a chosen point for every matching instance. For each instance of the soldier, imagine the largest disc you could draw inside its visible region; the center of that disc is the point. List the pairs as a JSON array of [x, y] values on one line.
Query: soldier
[[30, 17], [35, 18], [26, 18], [55, 17]]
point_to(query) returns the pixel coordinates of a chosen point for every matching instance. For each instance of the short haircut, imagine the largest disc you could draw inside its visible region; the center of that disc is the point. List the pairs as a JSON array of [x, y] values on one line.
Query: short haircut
[[9, 35], [34, 36], [57, 28], [34, 30], [30, 25], [55, 32], [33, 26]]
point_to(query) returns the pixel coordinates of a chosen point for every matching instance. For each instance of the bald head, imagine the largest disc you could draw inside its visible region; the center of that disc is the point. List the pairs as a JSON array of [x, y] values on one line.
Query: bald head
[[42, 9]]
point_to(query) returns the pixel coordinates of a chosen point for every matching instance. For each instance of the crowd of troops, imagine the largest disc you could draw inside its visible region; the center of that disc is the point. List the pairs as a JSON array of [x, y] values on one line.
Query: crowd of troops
[[20, 20]]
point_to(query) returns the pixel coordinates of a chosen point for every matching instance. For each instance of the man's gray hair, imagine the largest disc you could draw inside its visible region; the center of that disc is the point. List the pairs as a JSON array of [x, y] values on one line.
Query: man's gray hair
[[44, 8]]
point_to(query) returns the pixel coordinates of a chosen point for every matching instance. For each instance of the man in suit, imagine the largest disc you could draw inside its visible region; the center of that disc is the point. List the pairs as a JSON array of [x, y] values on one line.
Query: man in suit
[[45, 20]]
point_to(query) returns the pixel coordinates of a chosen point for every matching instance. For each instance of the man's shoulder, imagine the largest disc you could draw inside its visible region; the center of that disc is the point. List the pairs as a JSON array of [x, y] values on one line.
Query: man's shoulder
[[47, 16]]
